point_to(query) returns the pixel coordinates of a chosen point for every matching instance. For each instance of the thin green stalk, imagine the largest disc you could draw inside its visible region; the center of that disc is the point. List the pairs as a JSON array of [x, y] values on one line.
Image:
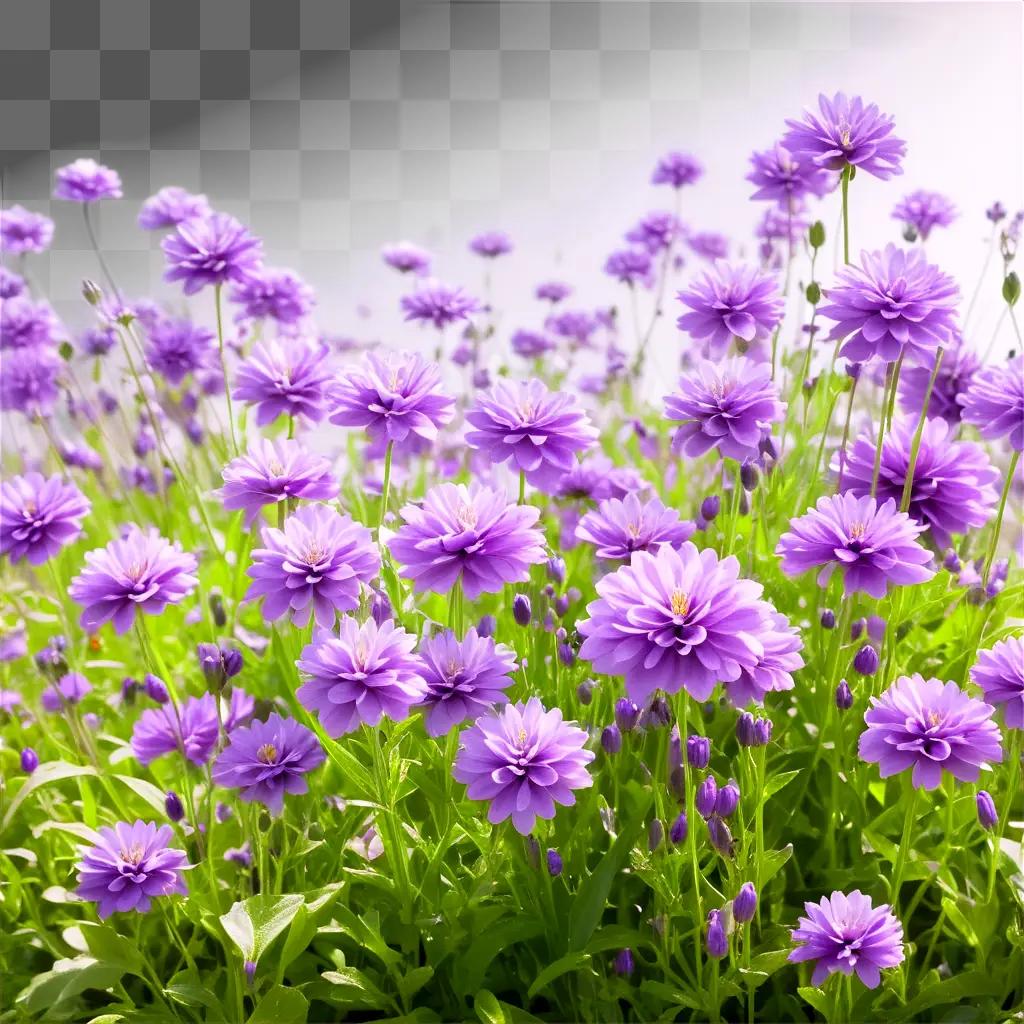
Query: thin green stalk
[[690, 786], [99, 253], [915, 446], [905, 841], [734, 513], [997, 529], [846, 435], [844, 184], [224, 366], [892, 372], [386, 490], [522, 487]]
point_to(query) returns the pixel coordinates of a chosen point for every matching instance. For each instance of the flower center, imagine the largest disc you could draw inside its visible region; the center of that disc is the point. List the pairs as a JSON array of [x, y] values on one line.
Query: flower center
[[680, 603], [267, 753], [466, 516], [133, 855]]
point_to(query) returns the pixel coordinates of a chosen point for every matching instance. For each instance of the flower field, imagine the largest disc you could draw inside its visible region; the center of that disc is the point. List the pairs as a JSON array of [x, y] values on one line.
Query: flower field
[[485, 676]]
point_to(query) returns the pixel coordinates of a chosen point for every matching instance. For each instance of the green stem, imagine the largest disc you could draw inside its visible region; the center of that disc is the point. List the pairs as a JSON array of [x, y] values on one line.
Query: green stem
[[904, 848], [892, 373], [844, 183], [386, 489], [99, 253], [690, 786], [846, 436], [224, 366], [734, 513], [915, 447], [522, 487], [997, 529]]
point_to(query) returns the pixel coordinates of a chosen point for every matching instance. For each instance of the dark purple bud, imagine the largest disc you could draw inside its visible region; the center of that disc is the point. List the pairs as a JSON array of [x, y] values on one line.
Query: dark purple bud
[[223, 813], [710, 507], [745, 729], [218, 664], [549, 622], [217, 612], [744, 906], [585, 692], [556, 569], [762, 732], [560, 634], [853, 370], [748, 475], [728, 799], [561, 604], [624, 965], [996, 212], [857, 628], [677, 833], [129, 688], [766, 446], [865, 661], [174, 807], [566, 655], [156, 689], [828, 619], [250, 972], [720, 836], [706, 797], [876, 628], [717, 940], [380, 607], [611, 739], [677, 782], [987, 815], [29, 760], [659, 714], [627, 714], [549, 590], [521, 610], [844, 696], [698, 751], [655, 834], [487, 626], [952, 563], [554, 863]]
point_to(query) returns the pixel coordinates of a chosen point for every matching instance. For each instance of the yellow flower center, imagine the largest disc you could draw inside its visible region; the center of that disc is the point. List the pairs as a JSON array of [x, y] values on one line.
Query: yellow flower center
[[267, 753], [680, 603]]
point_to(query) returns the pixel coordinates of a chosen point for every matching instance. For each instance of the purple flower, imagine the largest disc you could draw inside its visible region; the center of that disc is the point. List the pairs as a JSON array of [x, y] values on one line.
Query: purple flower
[[773, 671], [846, 133], [994, 403], [274, 293], [524, 760], [285, 380], [211, 250], [470, 534], [872, 545], [894, 302], [552, 291], [709, 245], [176, 348], [656, 231], [170, 206], [129, 865], [313, 566], [11, 284], [785, 180], [464, 678], [140, 571], [191, 729], [846, 933], [954, 489], [999, 672], [930, 726], [575, 325], [27, 324], [618, 527], [677, 169], [537, 430], [733, 301], [13, 645], [717, 942], [39, 516], [531, 344], [266, 760], [24, 231], [491, 244], [218, 665], [631, 267], [729, 407], [363, 674], [406, 258], [438, 304], [66, 691], [396, 399], [923, 210], [273, 472], [85, 181], [988, 816], [957, 371], [97, 341], [676, 618]]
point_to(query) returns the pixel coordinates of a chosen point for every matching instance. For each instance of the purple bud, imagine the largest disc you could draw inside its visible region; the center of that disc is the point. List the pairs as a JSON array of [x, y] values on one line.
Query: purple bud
[[194, 430], [380, 607], [952, 563], [585, 692], [555, 569], [857, 628], [29, 760], [677, 782], [566, 655], [91, 721], [853, 370], [844, 696], [828, 619], [627, 714], [554, 863], [655, 834], [707, 795], [549, 622], [561, 604], [174, 807], [728, 799], [533, 851], [996, 212], [561, 634], [762, 732], [721, 836], [156, 689], [624, 965], [241, 855], [987, 815], [744, 906], [521, 610], [611, 739], [250, 971], [658, 714], [865, 661], [223, 813], [876, 628], [218, 664], [698, 751], [677, 833], [745, 729], [717, 941], [129, 688], [481, 377], [549, 590], [748, 475], [487, 626], [710, 507]]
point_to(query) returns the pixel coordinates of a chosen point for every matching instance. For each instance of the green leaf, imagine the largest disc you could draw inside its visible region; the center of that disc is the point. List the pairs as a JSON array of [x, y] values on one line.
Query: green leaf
[[569, 962], [777, 782], [281, 1006], [300, 934], [816, 998], [473, 964], [773, 862], [254, 923], [369, 994], [488, 1009], [147, 791], [110, 948], [44, 775], [948, 993], [414, 981], [67, 978]]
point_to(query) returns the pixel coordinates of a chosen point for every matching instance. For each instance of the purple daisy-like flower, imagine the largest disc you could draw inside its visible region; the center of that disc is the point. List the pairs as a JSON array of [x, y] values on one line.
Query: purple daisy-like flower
[[357, 678], [129, 866], [844, 932], [406, 258], [97, 341], [28, 380], [774, 669], [577, 326], [676, 618], [313, 566], [894, 302], [999, 672], [191, 729], [956, 373], [524, 760], [677, 169], [539, 431], [781, 178], [285, 380], [732, 301], [531, 344], [176, 348], [274, 293], [729, 407], [27, 324], [211, 250], [24, 231], [438, 304], [273, 472], [955, 484], [553, 291], [631, 267], [39, 516], [470, 534], [846, 133], [618, 527], [931, 727], [170, 206], [11, 284], [86, 181], [994, 403], [491, 244], [656, 231], [140, 571], [465, 678], [67, 691], [266, 760], [872, 544], [397, 399], [921, 211], [709, 245]]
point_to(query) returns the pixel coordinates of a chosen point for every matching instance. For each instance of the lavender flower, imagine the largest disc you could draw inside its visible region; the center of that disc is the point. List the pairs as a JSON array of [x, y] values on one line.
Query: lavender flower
[[211, 250], [363, 674], [97, 341], [531, 344], [11, 284], [994, 403], [781, 178], [774, 668], [999, 673], [438, 304], [846, 933], [313, 566], [129, 866], [85, 181], [67, 691], [39, 516], [930, 726], [921, 211], [281, 380], [28, 760], [470, 534], [709, 245], [553, 291], [523, 760], [744, 906], [24, 231], [677, 169], [191, 730], [631, 267], [618, 527], [873, 545], [176, 348], [491, 244], [266, 760], [170, 206], [957, 371], [274, 472], [274, 293], [27, 324], [28, 381], [406, 258], [464, 678], [140, 571]]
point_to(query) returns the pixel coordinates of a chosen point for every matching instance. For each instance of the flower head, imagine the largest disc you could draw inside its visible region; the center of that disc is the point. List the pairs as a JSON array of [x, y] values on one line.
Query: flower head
[[844, 932], [677, 169], [957, 371], [470, 534], [27, 324], [406, 258], [130, 865], [552, 291], [191, 729], [620, 526], [465, 678], [922, 210], [85, 181], [176, 348], [994, 403], [285, 380], [11, 284], [873, 545], [361, 675], [523, 760], [531, 344], [274, 293], [656, 231], [438, 304], [97, 341], [313, 566], [999, 672], [170, 206], [24, 230], [781, 178], [38, 516], [28, 380], [68, 690], [894, 302], [631, 267], [266, 760], [709, 245], [140, 571], [931, 727], [491, 244], [211, 250]]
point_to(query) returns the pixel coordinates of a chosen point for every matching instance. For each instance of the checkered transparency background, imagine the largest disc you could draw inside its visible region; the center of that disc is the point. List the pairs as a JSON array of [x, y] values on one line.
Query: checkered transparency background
[[333, 126]]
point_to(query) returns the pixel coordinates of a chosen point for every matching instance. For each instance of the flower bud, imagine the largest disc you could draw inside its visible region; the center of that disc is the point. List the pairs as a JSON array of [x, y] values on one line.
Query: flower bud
[[745, 729], [698, 751], [951, 562], [828, 619], [487, 626], [611, 739], [521, 610], [129, 688], [748, 475], [865, 661], [624, 965], [717, 940], [996, 212], [91, 721], [533, 851], [554, 863], [876, 628], [857, 628], [710, 507], [844, 696], [720, 836], [156, 689], [218, 664], [250, 972], [677, 833], [658, 714], [655, 834], [585, 692], [816, 235], [174, 807], [762, 731], [744, 906], [706, 797], [566, 655], [29, 760], [240, 855], [727, 800], [987, 815], [627, 714], [223, 812], [91, 292], [555, 568], [561, 604]]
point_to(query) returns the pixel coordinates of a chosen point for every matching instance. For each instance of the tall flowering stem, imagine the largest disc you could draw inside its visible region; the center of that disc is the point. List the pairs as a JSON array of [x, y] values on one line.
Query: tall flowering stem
[[911, 800], [385, 493], [99, 252], [844, 186], [997, 529], [224, 366], [915, 447], [892, 376]]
